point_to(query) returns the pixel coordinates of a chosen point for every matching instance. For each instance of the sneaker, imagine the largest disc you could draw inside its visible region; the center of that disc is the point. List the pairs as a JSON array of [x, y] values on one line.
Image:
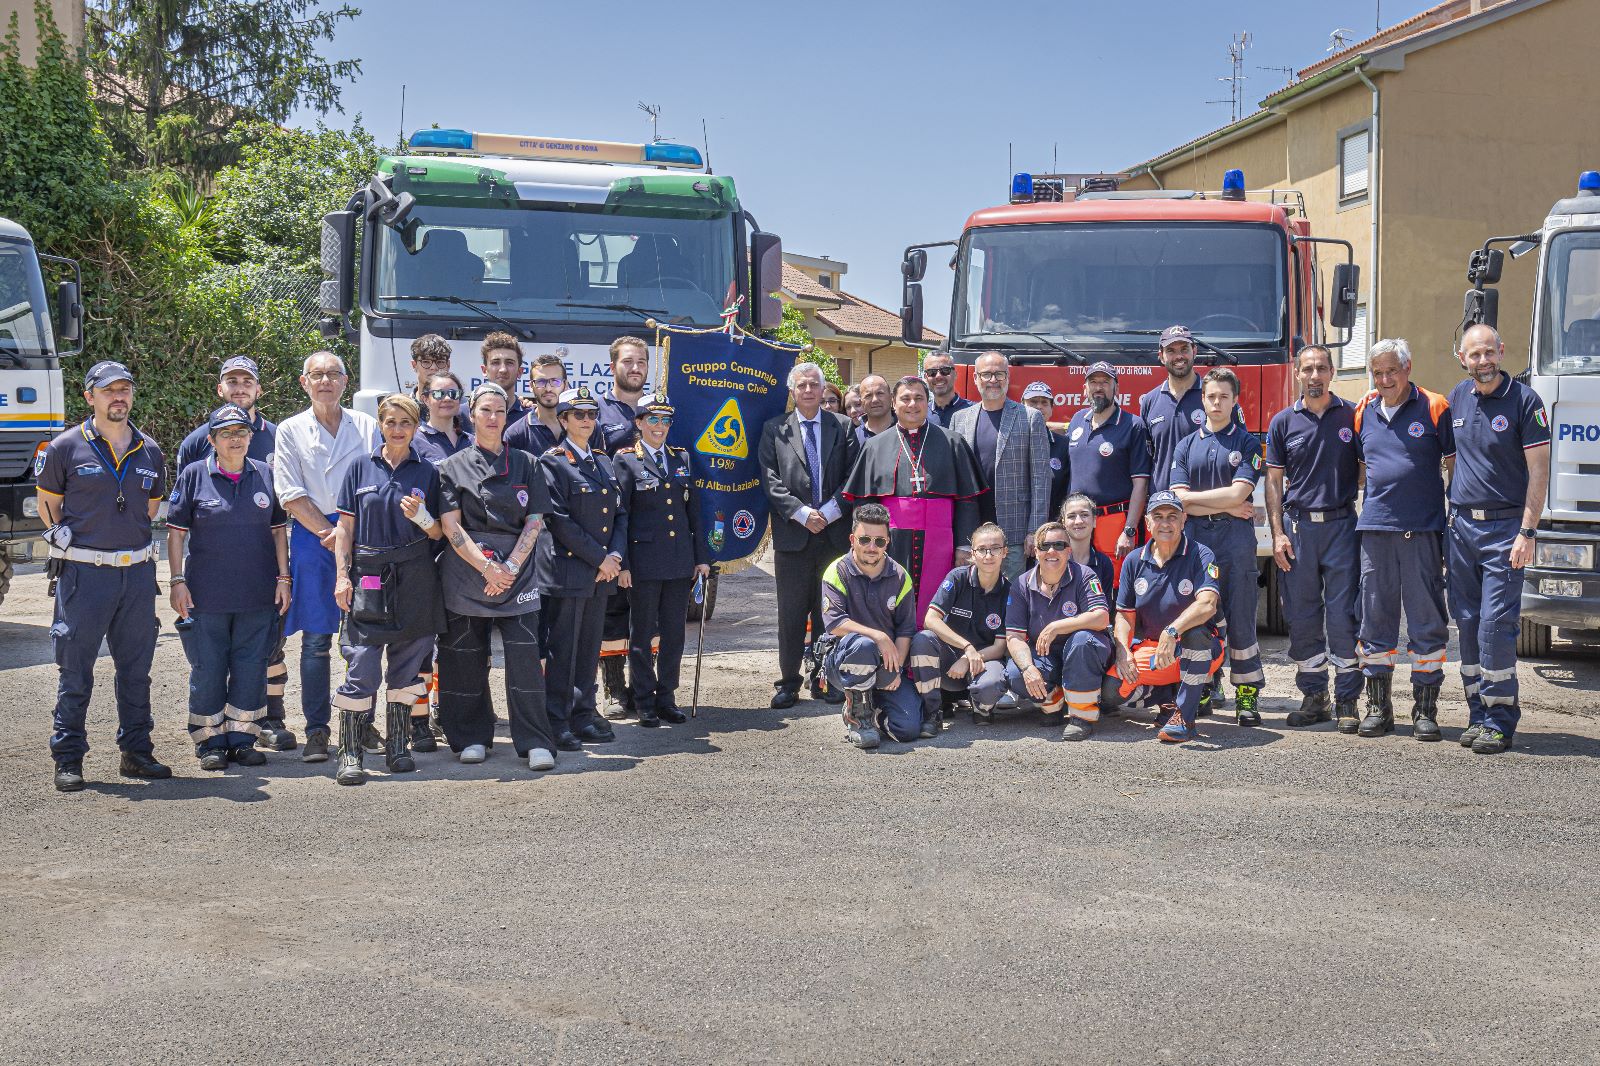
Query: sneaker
[[245, 757], [474, 753], [1470, 735], [1491, 742], [1077, 729], [1245, 703], [275, 736], [316, 749], [1206, 705], [1176, 731], [541, 759], [213, 760]]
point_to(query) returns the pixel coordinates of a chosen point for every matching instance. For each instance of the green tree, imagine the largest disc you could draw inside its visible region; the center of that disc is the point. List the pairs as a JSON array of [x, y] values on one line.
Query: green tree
[[176, 75], [792, 330]]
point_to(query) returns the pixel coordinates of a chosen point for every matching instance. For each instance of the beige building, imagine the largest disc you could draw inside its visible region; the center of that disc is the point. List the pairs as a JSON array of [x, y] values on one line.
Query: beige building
[[862, 337], [1463, 122], [69, 16]]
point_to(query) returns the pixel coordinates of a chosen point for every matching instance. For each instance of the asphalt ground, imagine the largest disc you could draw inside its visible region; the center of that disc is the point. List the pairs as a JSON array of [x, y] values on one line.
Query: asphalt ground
[[749, 888]]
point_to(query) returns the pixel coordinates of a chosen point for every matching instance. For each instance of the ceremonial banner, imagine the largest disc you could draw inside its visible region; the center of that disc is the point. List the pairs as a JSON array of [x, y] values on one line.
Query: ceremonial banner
[[724, 388]]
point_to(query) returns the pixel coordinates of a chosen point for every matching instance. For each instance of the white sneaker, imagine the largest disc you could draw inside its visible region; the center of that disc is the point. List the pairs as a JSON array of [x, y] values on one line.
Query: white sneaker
[[474, 753], [541, 759]]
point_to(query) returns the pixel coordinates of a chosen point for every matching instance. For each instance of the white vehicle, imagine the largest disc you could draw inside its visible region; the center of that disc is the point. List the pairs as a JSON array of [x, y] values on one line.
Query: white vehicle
[[565, 244], [1562, 587], [32, 406]]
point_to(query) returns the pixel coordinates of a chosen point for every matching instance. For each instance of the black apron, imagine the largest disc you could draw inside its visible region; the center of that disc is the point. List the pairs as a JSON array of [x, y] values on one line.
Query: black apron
[[463, 586], [396, 598]]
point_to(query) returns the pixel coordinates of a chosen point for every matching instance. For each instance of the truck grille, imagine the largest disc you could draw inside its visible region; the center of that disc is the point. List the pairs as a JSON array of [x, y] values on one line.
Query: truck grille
[[16, 453]]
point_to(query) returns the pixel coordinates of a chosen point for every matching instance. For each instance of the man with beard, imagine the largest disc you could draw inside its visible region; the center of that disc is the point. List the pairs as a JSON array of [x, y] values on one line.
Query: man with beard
[[939, 371], [630, 364], [502, 364], [877, 414], [539, 431], [929, 480], [1172, 410], [1110, 459]]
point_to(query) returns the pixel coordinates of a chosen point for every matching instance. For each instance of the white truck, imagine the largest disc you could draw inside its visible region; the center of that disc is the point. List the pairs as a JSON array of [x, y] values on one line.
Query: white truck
[[1562, 586], [32, 404]]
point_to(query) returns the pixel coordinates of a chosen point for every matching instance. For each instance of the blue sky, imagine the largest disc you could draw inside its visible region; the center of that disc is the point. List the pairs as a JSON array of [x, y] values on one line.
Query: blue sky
[[851, 129]]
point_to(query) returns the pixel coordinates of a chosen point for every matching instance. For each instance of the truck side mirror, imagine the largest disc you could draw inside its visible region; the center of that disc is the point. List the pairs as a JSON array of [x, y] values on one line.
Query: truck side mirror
[[1482, 306], [911, 316], [914, 265], [1484, 267], [335, 295], [1346, 290], [766, 257], [69, 311]]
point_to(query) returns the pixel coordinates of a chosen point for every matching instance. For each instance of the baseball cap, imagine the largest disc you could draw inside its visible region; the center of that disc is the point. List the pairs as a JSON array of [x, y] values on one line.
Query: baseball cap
[[104, 373], [656, 404], [1038, 389], [1163, 498], [229, 414], [1101, 367], [578, 399], [240, 362], [1175, 333]]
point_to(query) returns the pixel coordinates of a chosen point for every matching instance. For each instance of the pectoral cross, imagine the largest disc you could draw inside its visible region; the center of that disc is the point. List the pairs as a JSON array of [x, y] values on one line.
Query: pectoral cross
[[919, 481]]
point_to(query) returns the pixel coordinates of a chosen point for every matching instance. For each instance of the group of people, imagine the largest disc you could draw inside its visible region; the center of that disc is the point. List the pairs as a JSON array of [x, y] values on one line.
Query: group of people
[[936, 550]]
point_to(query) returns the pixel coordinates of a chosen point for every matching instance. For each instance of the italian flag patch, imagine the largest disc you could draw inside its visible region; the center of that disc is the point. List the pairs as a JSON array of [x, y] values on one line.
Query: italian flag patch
[[1539, 417]]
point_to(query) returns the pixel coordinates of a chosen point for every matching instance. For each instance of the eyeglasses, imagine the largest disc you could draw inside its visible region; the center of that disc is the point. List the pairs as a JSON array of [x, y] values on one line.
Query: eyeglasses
[[992, 375], [325, 375], [986, 552], [582, 416], [873, 542], [938, 371], [444, 394], [1053, 546], [232, 434], [658, 420], [433, 360], [549, 383]]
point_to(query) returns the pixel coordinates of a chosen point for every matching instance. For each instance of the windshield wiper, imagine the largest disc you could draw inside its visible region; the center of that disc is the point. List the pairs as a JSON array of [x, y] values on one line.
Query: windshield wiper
[[1046, 341], [476, 305], [1222, 353], [642, 312]]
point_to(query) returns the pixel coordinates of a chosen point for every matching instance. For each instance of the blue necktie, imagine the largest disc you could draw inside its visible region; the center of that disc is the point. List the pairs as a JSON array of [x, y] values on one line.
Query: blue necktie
[[813, 463]]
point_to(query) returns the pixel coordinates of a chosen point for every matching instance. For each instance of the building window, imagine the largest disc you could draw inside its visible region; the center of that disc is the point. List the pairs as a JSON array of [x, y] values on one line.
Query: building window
[[1355, 155], [1354, 355], [844, 369], [825, 280]]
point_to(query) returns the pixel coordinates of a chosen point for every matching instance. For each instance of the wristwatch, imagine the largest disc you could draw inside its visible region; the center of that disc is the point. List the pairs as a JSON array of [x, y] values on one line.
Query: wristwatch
[[1526, 532], [1172, 632], [511, 567]]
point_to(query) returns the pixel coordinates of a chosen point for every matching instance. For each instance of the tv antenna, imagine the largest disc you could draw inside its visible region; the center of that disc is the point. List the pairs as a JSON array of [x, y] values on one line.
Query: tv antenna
[[654, 111], [1339, 40], [1287, 72], [1236, 76]]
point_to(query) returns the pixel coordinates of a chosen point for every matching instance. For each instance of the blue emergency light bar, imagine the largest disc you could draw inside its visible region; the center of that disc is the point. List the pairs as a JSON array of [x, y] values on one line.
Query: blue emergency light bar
[[1022, 188], [1589, 182], [445, 140], [1233, 185], [672, 154]]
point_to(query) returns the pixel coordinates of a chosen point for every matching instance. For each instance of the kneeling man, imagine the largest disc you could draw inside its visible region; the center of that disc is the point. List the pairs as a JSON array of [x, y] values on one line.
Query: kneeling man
[[964, 647], [868, 605], [1056, 620]]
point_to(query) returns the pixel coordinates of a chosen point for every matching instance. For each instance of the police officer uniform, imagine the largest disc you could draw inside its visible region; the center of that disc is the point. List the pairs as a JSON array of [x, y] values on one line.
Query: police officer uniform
[[1321, 471], [105, 584], [976, 615], [586, 523], [1206, 460], [664, 547], [1402, 567], [1074, 663], [1493, 434], [614, 432], [1104, 461], [396, 606]]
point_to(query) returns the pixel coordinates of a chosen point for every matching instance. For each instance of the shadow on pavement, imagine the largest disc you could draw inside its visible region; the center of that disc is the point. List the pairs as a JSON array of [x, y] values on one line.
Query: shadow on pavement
[[24, 645]]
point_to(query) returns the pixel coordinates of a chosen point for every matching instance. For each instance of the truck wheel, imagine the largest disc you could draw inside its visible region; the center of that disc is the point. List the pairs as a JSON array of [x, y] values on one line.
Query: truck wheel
[[1533, 642], [710, 604], [5, 576], [1269, 615]]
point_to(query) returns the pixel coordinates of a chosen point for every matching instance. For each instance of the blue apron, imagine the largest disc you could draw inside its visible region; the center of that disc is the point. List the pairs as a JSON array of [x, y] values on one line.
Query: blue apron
[[312, 608]]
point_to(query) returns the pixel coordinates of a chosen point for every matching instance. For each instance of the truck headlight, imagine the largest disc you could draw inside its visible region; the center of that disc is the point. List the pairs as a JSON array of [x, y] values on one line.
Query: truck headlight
[[30, 507], [1563, 556]]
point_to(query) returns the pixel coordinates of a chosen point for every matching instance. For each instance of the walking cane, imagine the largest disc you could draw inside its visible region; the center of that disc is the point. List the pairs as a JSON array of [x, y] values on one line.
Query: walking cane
[[700, 642]]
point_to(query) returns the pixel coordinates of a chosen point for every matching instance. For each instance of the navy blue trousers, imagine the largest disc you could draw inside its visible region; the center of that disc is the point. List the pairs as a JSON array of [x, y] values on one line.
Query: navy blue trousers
[[116, 604], [1233, 541], [1403, 571], [854, 663], [1319, 604], [1486, 602], [227, 653]]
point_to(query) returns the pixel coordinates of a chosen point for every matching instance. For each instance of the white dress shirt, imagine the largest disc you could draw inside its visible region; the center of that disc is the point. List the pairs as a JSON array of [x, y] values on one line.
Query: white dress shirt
[[311, 462], [830, 511]]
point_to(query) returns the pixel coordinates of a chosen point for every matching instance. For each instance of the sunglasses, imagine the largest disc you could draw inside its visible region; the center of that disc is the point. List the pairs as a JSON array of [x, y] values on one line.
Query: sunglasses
[[939, 371], [1053, 546], [582, 416], [873, 542], [658, 420], [444, 394]]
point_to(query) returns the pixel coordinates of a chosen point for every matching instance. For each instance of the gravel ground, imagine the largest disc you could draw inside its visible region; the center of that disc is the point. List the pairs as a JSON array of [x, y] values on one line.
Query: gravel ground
[[748, 888]]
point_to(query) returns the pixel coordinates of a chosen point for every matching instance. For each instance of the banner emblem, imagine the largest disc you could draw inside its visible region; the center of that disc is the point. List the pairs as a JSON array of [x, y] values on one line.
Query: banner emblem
[[724, 434]]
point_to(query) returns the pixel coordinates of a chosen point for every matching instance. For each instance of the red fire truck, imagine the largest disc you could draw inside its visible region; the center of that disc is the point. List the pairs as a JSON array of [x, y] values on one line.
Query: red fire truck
[[1060, 278]]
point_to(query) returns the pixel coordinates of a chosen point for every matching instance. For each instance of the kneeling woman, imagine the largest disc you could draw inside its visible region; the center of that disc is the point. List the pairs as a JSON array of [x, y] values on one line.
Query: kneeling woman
[[388, 586], [493, 497]]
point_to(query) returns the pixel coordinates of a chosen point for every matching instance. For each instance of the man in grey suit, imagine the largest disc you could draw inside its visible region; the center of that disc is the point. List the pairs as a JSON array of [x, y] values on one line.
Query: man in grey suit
[[1013, 448], [805, 457]]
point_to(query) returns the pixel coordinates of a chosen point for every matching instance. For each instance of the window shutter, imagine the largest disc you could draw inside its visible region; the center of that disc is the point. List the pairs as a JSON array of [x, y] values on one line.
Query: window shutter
[[1354, 151], [1354, 356]]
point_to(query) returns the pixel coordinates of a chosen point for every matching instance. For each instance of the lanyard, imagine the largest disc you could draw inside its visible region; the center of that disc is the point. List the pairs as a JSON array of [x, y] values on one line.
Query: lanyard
[[118, 472]]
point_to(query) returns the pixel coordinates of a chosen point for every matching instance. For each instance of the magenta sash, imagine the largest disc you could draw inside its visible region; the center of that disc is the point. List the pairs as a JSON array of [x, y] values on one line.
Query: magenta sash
[[922, 541]]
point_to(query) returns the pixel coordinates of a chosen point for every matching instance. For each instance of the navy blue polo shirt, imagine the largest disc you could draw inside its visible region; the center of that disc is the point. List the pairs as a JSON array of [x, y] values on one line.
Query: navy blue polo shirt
[[966, 608], [616, 424], [1317, 453], [197, 445], [371, 494], [1157, 595], [434, 444], [1029, 610], [1493, 434], [942, 415], [1105, 461], [233, 562], [1206, 460], [1405, 489], [531, 436], [1168, 420], [79, 468], [1103, 567]]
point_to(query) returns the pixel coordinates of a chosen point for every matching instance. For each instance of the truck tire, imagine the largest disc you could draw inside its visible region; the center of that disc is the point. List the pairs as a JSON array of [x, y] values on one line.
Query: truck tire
[[1269, 615], [1533, 642], [6, 571], [710, 604]]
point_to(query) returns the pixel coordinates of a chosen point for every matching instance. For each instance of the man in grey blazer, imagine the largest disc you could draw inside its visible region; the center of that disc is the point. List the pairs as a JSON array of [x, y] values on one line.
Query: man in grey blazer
[[805, 457], [1013, 448]]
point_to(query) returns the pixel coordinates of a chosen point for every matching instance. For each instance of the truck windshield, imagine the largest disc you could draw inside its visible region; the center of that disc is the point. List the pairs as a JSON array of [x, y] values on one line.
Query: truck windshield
[[1087, 283], [24, 314], [1569, 326], [534, 265]]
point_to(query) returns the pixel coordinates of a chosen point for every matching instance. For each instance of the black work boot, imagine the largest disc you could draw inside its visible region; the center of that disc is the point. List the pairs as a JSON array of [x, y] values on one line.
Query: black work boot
[[1380, 711], [1345, 712], [348, 770], [69, 776], [860, 719], [422, 738], [1425, 713], [618, 701], [1313, 709], [933, 724], [397, 753], [275, 734]]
